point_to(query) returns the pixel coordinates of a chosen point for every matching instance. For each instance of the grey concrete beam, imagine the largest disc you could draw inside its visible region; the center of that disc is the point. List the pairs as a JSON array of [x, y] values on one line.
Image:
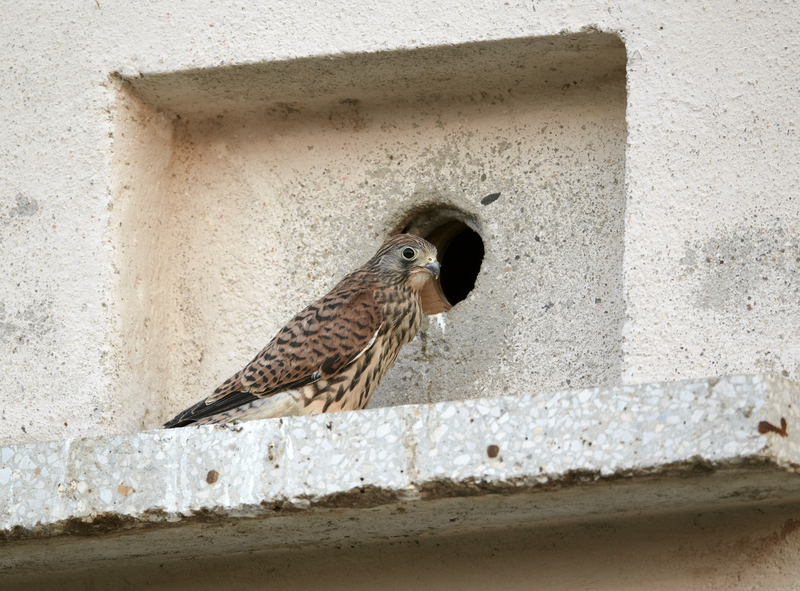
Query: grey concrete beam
[[399, 471]]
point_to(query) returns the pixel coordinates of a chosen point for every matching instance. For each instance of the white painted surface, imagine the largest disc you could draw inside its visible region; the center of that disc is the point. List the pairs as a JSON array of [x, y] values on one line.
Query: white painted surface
[[712, 162]]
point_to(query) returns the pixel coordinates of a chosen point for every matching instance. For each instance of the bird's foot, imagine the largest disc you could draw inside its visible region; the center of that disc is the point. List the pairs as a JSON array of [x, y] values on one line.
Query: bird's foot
[[234, 425]]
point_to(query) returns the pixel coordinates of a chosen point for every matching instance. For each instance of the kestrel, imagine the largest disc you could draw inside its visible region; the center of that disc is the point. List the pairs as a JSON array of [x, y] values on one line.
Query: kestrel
[[331, 356]]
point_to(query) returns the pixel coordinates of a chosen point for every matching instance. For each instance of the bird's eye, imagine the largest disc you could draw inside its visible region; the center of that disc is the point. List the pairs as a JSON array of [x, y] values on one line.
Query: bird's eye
[[409, 254]]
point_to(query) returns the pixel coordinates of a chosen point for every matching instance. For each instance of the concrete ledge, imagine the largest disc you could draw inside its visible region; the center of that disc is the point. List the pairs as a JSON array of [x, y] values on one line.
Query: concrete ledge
[[399, 471]]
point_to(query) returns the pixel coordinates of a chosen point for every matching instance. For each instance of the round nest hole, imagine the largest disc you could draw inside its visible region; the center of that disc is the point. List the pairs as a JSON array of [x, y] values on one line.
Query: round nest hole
[[460, 252]]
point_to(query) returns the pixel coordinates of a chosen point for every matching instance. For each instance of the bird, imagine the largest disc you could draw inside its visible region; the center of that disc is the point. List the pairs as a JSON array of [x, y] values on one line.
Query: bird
[[333, 354]]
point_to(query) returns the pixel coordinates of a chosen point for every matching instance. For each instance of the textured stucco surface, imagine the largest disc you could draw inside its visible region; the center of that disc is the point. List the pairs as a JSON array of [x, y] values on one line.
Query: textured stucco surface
[[408, 470], [252, 213], [709, 266]]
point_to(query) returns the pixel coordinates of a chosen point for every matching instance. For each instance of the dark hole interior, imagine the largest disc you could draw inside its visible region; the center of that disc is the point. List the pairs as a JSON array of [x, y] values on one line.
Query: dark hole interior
[[461, 263]]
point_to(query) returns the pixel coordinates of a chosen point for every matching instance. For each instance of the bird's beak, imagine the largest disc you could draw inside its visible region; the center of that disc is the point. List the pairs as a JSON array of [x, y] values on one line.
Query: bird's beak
[[433, 268]]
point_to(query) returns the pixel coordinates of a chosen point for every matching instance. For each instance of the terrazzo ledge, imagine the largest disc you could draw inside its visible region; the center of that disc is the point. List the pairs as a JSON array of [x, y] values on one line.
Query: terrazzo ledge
[[400, 471]]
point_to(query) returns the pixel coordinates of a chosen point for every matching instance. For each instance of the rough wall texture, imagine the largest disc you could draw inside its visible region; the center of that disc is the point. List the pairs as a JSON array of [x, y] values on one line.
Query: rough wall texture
[[264, 206], [700, 251]]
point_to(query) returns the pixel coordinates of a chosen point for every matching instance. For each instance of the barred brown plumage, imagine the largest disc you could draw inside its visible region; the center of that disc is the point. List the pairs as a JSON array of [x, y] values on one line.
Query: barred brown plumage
[[331, 356]]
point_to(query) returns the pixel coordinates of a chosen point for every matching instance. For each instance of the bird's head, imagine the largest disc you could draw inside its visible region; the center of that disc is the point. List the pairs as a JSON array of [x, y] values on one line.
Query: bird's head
[[408, 260]]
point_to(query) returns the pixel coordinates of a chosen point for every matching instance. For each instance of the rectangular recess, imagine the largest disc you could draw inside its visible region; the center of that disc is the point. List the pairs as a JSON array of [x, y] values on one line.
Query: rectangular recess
[[243, 193]]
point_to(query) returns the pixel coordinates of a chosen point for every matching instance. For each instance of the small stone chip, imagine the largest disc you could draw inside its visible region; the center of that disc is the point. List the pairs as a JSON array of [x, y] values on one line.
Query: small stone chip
[[212, 476], [492, 451], [125, 491], [490, 198]]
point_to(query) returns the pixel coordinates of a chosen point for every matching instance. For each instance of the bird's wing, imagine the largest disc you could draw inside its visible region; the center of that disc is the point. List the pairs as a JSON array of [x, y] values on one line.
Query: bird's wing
[[317, 343]]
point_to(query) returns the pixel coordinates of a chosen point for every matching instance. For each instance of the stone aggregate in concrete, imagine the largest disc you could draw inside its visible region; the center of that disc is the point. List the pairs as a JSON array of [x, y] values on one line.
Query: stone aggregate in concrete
[[401, 454]]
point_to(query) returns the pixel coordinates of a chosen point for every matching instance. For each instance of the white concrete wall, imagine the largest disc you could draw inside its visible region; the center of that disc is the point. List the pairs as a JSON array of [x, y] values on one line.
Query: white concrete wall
[[711, 264], [264, 197]]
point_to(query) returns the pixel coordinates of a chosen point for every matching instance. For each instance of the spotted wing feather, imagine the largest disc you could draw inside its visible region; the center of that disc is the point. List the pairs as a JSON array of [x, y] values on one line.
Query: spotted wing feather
[[317, 343]]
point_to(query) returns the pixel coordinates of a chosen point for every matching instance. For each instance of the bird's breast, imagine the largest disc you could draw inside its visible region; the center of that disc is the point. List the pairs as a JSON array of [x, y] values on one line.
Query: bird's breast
[[402, 315]]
